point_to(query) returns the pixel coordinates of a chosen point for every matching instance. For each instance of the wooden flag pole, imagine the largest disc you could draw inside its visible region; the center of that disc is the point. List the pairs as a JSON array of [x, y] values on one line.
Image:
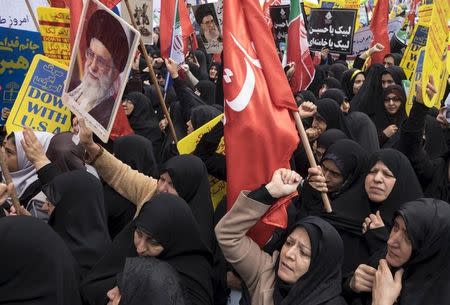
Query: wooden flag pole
[[8, 180], [309, 153], [152, 75]]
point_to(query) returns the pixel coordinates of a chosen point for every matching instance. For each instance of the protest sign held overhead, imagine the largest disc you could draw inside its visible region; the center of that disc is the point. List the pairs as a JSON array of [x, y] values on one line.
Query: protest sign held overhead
[[332, 29], [99, 67], [209, 18], [54, 25], [280, 23], [38, 104], [143, 14], [17, 49]]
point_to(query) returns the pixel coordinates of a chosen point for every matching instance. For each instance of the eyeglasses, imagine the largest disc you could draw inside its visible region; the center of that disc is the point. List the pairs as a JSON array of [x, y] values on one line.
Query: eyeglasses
[[394, 99], [102, 63]]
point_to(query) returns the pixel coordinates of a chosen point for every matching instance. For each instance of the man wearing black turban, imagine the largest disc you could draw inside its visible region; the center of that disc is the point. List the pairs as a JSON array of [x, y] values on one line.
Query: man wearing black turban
[[106, 56]]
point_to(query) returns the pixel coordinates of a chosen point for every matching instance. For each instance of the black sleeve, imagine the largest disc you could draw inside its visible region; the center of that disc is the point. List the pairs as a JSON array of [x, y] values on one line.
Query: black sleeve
[[358, 63], [262, 195], [376, 239], [411, 144], [47, 173], [186, 98]]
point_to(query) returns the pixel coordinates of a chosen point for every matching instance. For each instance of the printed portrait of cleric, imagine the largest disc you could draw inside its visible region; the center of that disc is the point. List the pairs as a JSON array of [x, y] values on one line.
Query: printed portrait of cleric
[[105, 57], [206, 17]]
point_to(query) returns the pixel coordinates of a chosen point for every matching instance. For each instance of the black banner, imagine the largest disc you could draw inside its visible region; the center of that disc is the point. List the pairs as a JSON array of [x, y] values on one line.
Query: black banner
[[280, 23], [332, 29]]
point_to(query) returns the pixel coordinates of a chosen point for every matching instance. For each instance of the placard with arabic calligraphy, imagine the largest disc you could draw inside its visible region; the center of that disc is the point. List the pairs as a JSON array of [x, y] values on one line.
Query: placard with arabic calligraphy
[[39, 103], [17, 49], [332, 29], [54, 25], [280, 24]]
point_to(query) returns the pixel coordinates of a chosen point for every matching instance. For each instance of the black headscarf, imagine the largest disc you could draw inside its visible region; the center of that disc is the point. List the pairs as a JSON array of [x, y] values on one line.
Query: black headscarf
[[79, 216], [337, 70], [427, 273], [397, 74], [332, 114], [305, 96], [318, 80], [348, 203], [168, 219], [366, 99], [348, 80], [64, 153], [322, 282], [335, 94], [143, 119], [207, 91], [329, 137], [201, 115], [36, 266], [190, 179], [147, 280], [406, 188]]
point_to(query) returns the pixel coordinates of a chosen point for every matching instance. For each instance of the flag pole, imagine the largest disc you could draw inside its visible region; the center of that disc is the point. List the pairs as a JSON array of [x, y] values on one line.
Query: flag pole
[[152, 75], [309, 153], [8, 180]]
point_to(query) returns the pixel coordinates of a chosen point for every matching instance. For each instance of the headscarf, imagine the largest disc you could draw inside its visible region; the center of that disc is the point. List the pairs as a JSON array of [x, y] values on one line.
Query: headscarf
[[147, 280], [36, 266], [322, 282], [26, 173], [207, 91], [397, 74], [427, 273], [366, 99], [318, 80], [184, 248], [335, 94], [348, 80], [65, 153], [337, 70], [190, 179], [202, 114], [332, 114], [329, 137], [79, 216], [305, 96], [406, 188], [143, 119]]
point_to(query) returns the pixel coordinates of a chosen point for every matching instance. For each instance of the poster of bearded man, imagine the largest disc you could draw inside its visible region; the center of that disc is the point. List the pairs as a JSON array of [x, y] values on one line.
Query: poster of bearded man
[[99, 67]]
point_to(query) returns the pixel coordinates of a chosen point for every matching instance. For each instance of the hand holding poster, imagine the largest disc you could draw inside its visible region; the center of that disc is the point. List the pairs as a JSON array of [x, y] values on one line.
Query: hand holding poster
[[39, 103], [332, 29], [99, 67]]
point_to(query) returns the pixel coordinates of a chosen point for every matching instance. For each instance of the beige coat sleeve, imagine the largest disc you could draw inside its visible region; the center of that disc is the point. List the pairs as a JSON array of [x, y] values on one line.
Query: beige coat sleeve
[[239, 250], [131, 184]]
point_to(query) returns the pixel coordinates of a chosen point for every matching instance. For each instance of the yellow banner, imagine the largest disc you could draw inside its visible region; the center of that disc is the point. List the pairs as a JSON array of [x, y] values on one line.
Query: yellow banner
[[418, 40], [417, 76], [188, 144], [38, 103], [54, 25], [436, 50]]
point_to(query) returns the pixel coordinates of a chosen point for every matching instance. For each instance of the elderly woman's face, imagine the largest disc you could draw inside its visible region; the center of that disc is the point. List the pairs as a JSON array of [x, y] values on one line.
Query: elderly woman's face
[[295, 256], [399, 247], [379, 182]]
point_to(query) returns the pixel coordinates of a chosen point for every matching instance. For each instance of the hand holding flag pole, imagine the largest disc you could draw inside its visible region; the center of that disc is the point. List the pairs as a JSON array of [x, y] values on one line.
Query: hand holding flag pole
[[8, 181], [152, 75], [309, 153]]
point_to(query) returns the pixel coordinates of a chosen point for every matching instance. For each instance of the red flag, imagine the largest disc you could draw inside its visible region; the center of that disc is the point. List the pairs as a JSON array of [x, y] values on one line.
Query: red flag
[[379, 28], [121, 125], [167, 25], [266, 9], [260, 134], [298, 50]]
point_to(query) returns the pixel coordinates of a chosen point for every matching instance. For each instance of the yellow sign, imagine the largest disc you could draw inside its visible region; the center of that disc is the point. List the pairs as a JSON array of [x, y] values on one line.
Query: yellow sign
[[419, 40], [54, 25], [436, 50], [188, 144], [38, 103], [417, 76]]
